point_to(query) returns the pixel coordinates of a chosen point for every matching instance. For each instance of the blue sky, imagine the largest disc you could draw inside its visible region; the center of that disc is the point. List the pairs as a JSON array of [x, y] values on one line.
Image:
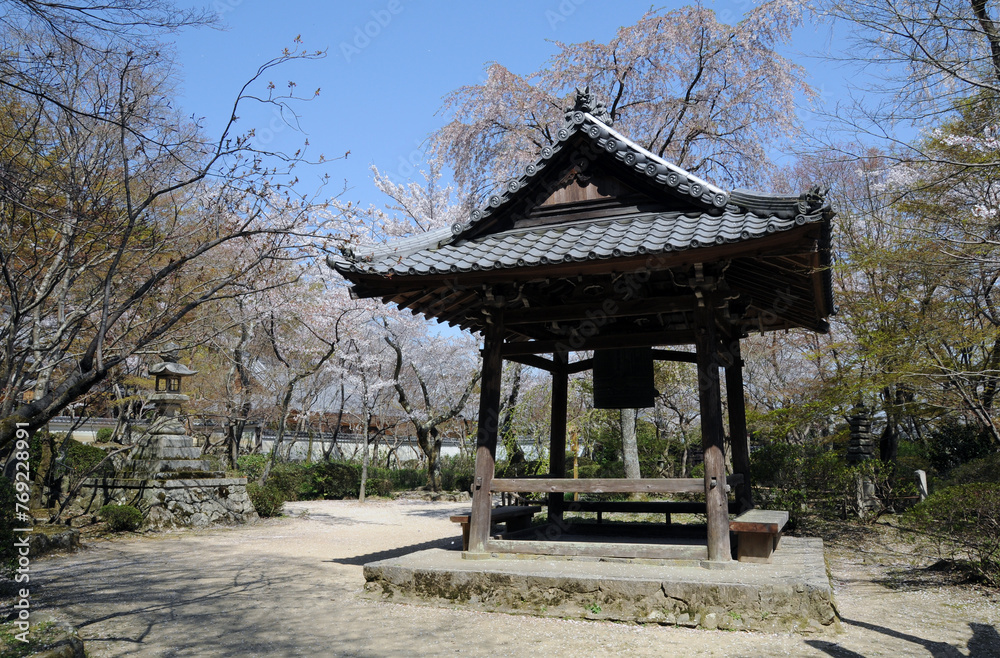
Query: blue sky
[[389, 63]]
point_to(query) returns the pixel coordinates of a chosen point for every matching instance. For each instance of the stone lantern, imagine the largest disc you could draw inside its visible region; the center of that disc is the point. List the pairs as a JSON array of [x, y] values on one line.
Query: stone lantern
[[164, 475], [168, 397]]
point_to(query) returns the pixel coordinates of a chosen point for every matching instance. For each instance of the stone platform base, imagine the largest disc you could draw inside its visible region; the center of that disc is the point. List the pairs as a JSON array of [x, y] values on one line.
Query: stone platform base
[[193, 502], [791, 594]]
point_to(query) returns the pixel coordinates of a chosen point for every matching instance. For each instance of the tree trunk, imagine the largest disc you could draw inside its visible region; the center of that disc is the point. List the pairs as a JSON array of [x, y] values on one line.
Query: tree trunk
[[234, 435], [515, 455], [630, 448], [429, 440], [364, 459], [434, 461], [888, 444], [328, 453]]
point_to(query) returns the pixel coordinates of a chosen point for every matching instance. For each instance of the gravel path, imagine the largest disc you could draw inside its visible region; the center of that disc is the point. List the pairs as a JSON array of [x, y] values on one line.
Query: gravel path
[[289, 587]]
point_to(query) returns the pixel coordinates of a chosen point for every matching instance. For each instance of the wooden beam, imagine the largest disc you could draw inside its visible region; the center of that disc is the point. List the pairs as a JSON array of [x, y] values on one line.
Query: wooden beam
[[534, 361], [632, 339], [738, 437], [486, 441], [599, 310], [710, 399], [675, 355], [557, 427], [602, 485], [579, 366]]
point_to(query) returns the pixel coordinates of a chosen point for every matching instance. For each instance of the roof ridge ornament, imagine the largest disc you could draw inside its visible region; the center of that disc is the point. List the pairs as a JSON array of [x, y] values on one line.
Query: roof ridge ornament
[[813, 199], [585, 101]]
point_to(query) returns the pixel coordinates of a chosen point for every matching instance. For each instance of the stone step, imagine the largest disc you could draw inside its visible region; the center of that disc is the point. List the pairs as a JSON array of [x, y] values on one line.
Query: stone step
[[149, 467], [180, 453], [184, 465], [172, 440], [199, 478], [158, 447]]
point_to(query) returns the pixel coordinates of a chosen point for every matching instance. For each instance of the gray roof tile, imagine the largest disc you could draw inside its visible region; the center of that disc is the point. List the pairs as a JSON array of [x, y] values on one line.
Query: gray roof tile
[[644, 233], [744, 215]]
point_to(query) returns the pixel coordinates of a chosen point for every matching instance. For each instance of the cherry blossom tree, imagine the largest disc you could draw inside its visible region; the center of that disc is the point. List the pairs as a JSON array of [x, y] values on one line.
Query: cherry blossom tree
[[433, 382], [121, 217], [708, 96], [433, 376]]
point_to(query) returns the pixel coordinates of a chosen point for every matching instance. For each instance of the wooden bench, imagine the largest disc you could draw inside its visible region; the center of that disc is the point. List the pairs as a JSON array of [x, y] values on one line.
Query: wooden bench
[[517, 517], [666, 507], [757, 534]]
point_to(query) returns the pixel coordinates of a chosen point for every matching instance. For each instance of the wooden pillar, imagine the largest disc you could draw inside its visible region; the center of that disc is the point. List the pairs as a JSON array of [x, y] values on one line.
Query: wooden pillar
[[486, 441], [738, 437], [710, 397], [557, 431]]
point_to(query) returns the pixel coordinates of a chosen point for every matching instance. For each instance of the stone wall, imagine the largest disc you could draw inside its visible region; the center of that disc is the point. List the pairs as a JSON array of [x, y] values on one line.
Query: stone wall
[[170, 503]]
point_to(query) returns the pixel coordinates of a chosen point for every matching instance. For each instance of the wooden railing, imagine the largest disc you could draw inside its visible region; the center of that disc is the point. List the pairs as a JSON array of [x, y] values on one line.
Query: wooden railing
[[547, 545], [605, 485]]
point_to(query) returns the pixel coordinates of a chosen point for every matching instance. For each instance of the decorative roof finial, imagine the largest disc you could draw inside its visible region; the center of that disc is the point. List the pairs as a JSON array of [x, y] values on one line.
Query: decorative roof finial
[[813, 199], [587, 102]]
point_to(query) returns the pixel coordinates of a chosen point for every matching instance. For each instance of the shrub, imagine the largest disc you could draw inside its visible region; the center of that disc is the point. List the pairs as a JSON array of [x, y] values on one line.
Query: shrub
[[404, 479], [377, 486], [790, 477], [986, 469], [121, 518], [267, 499], [251, 466], [104, 434], [457, 473], [291, 479], [288, 478], [965, 519], [954, 444], [333, 480], [81, 458], [776, 464]]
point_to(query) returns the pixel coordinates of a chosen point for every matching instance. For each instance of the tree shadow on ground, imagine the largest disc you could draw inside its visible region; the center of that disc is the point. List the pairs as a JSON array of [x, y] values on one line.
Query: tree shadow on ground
[[439, 513], [985, 641], [452, 543], [836, 531], [942, 573], [319, 516], [833, 649]]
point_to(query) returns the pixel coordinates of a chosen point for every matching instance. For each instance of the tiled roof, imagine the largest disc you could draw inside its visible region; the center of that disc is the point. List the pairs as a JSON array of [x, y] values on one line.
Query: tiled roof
[[647, 233], [724, 217], [602, 138]]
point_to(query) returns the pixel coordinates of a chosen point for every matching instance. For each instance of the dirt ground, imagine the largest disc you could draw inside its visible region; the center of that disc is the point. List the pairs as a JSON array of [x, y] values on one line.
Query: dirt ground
[[290, 587]]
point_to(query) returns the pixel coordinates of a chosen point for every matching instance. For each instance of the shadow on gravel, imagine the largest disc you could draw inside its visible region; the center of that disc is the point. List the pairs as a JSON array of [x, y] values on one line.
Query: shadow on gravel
[[439, 512], [454, 543], [316, 516], [833, 649], [936, 649]]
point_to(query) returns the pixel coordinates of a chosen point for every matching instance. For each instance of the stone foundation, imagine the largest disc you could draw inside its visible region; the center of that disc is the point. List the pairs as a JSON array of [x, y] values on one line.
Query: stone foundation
[[166, 503], [792, 594]]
